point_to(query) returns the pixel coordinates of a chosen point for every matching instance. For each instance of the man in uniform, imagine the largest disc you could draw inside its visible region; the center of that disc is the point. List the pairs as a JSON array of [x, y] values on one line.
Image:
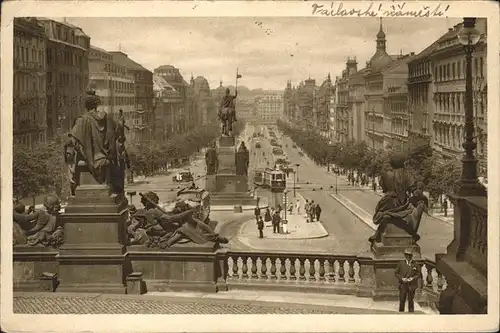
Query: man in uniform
[[407, 273]]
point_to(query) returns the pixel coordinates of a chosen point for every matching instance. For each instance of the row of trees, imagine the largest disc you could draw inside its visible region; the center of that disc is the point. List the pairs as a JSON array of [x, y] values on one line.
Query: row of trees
[[42, 170], [151, 158], [431, 173]]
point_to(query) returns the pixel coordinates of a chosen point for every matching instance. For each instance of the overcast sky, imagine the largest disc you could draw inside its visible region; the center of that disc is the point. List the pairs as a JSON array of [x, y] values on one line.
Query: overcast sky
[[268, 51]]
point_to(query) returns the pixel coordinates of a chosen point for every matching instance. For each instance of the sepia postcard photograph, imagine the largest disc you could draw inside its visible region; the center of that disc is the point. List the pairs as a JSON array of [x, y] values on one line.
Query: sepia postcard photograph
[[249, 166]]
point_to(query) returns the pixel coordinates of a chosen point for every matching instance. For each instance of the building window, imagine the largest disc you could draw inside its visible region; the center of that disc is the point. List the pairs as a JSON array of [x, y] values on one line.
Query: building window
[[481, 66], [453, 70], [459, 74], [475, 68]]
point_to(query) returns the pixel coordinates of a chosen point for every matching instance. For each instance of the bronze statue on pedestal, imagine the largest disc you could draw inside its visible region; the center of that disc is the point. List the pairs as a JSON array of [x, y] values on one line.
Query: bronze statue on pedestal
[[152, 226], [242, 160], [38, 228], [402, 204], [212, 160], [93, 141]]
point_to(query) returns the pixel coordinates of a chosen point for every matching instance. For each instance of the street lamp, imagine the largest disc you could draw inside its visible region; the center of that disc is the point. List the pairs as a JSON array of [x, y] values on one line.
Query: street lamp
[[297, 165], [61, 119], [469, 36], [294, 194], [285, 201]]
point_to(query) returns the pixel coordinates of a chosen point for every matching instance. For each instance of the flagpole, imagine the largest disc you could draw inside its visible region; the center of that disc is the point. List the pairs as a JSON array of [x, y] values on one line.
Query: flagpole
[[236, 86]]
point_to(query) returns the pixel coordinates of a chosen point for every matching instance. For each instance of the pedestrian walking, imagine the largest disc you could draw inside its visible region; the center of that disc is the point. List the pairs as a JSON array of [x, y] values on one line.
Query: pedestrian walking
[[307, 207], [260, 226], [276, 222], [290, 209], [256, 212], [312, 211], [267, 215], [318, 212], [445, 207], [407, 273], [298, 207]]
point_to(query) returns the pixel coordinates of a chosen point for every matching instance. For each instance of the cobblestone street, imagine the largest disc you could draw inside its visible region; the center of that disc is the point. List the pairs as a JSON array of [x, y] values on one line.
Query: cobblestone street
[[39, 303]]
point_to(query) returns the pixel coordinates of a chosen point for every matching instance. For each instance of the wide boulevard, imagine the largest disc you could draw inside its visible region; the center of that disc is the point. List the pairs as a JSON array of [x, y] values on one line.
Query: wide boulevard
[[348, 234]]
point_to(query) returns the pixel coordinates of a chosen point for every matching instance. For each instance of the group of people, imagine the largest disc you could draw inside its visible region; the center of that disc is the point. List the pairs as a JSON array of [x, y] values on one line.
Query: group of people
[[272, 215], [313, 211]]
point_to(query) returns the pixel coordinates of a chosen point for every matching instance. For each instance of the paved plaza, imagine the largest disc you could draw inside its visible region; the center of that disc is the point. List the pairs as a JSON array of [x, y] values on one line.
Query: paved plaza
[[231, 302]]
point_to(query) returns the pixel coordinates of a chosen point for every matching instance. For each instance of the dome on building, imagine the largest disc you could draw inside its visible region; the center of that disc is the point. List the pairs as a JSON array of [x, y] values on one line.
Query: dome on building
[[201, 84]]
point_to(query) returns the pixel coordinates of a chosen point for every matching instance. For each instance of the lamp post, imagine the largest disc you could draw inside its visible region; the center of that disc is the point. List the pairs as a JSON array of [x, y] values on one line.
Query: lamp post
[[294, 194], [285, 191], [61, 119], [469, 36], [373, 144], [297, 165]]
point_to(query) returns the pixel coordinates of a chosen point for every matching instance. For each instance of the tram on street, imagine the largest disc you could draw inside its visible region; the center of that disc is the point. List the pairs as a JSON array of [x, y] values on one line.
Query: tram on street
[[270, 178]]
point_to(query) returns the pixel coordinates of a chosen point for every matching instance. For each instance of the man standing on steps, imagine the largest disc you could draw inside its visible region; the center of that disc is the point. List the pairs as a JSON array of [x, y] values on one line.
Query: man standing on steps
[[407, 273]]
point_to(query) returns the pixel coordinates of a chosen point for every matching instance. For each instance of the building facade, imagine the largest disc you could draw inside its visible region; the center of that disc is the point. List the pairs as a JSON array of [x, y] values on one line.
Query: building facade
[[322, 111], [448, 63], [202, 102], [421, 107], [140, 117], [67, 74], [269, 106], [177, 97], [168, 110], [30, 90], [356, 103]]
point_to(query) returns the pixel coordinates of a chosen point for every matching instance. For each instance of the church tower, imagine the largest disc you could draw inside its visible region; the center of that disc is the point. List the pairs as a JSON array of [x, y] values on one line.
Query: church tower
[[381, 41]]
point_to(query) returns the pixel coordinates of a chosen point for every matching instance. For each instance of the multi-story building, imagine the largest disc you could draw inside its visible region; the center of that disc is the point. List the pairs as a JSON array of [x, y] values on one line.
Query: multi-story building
[[331, 114], [322, 114], [114, 83], [67, 73], [288, 105], [246, 110], [29, 92], [420, 85], [397, 104], [202, 101], [356, 103], [168, 109], [269, 106], [178, 96], [341, 113], [141, 117], [448, 64], [384, 72]]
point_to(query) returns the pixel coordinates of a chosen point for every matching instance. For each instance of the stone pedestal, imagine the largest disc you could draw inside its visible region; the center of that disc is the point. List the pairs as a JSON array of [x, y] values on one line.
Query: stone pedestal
[[226, 187], [183, 267], [93, 256], [385, 257], [33, 266]]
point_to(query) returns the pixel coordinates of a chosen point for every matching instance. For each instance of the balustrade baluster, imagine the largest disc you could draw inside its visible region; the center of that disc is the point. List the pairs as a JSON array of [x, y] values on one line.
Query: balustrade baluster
[[263, 267], [429, 277], [341, 277], [292, 269], [236, 274], [283, 268], [321, 269], [273, 269], [244, 268], [331, 270], [312, 271], [351, 270], [254, 268], [302, 270]]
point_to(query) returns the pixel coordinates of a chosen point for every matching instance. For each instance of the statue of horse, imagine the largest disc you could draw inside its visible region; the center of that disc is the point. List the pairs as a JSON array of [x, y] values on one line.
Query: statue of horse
[[226, 117]]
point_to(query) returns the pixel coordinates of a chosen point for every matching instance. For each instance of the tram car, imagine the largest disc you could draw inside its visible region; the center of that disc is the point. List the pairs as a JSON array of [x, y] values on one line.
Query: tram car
[[270, 178]]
